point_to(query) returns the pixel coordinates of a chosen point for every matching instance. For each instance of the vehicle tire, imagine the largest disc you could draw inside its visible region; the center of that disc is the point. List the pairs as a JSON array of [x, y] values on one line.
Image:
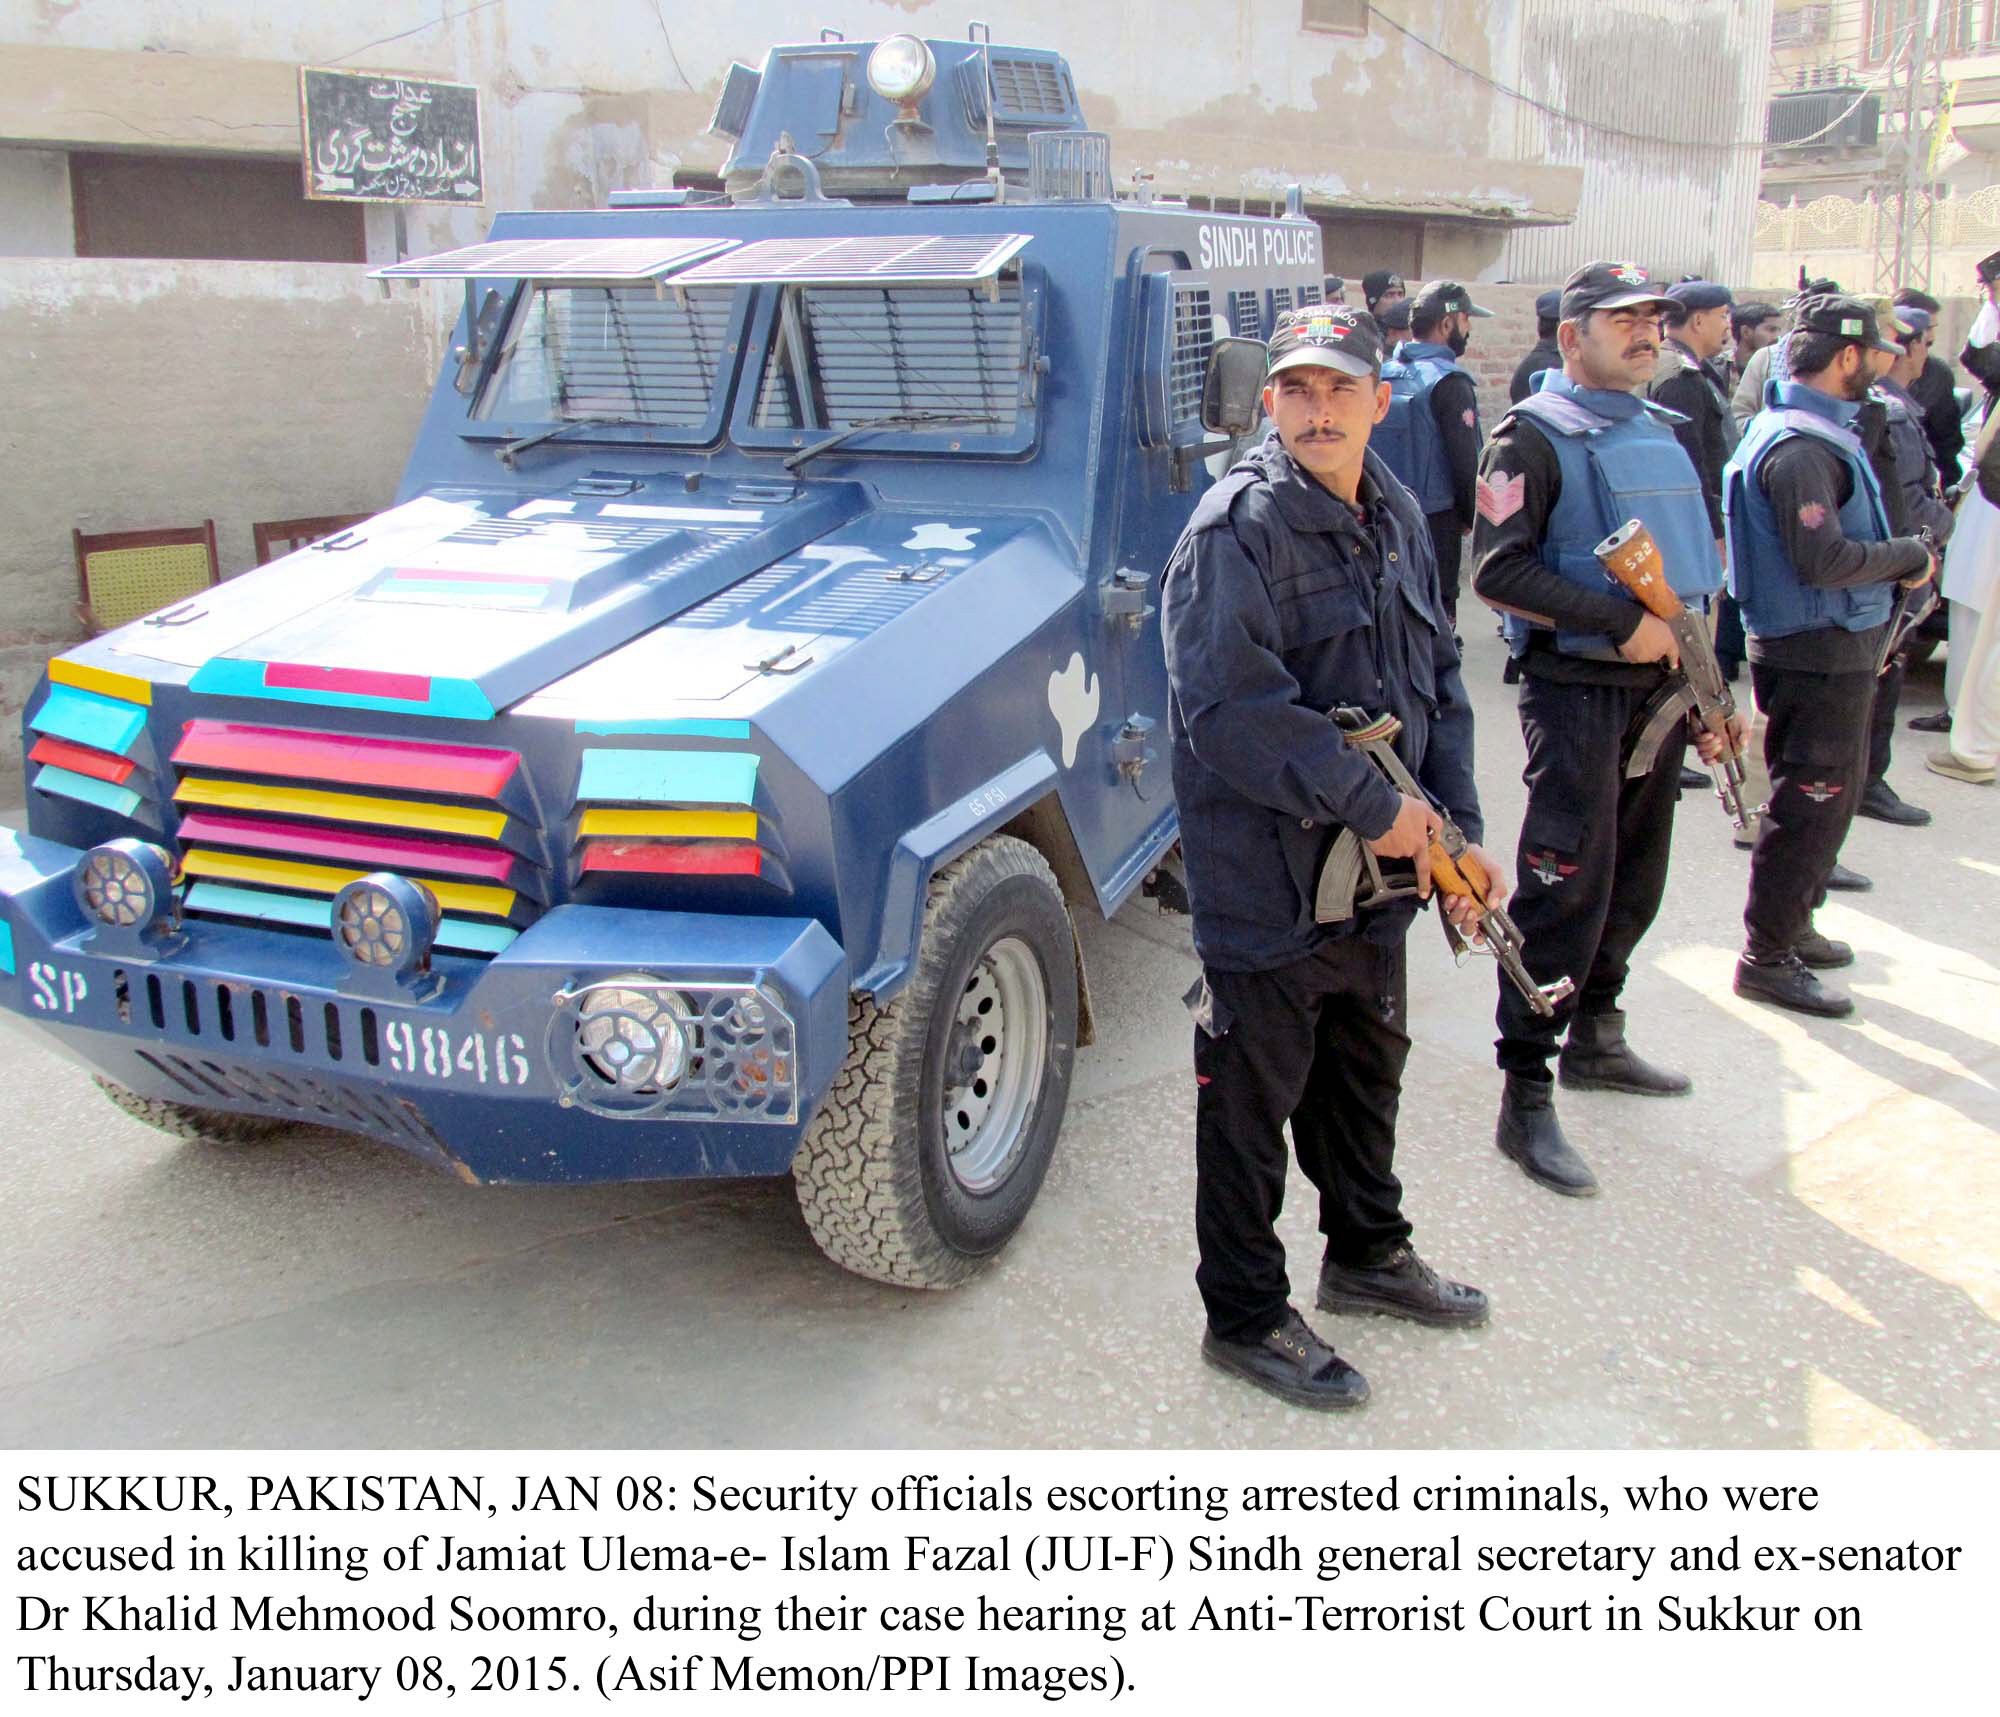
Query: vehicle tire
[[931, 1146], [185, 1121]]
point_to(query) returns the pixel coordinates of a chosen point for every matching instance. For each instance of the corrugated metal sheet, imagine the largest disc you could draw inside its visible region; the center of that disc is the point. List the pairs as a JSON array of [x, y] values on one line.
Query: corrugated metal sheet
[[1688, 78]]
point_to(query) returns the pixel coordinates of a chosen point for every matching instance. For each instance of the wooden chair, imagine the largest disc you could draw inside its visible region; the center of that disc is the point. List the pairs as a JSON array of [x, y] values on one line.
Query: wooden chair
[[125, 574], [276, 537]]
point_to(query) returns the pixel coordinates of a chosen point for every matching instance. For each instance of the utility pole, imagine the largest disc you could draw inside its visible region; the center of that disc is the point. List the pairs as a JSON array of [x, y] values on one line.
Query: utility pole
[[1903, 253]]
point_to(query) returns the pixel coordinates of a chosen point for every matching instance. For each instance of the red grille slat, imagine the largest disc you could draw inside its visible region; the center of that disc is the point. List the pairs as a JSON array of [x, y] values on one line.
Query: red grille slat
[[83, 759], [673, 858]]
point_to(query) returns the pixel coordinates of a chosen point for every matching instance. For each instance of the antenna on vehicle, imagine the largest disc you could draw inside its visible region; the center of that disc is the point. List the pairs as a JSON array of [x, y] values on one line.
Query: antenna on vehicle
[[983, 34]]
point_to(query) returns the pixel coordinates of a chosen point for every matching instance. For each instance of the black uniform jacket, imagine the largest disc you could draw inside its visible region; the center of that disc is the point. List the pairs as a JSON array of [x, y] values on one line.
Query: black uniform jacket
[[1683, 383], [1280, 604], [1542, 355]]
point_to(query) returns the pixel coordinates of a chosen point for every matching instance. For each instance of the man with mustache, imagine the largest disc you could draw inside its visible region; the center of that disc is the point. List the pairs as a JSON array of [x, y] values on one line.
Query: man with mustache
[[1814, 567], [1304, 581], [1564, 468]]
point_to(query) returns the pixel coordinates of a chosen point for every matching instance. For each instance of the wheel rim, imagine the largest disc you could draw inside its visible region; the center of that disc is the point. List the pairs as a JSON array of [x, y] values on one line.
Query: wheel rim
[[994, 1060]]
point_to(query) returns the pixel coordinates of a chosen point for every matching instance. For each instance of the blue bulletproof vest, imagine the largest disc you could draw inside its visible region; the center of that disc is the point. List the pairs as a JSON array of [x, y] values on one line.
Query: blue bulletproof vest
[[1775, 601], [1408, 440], [1619, 461]]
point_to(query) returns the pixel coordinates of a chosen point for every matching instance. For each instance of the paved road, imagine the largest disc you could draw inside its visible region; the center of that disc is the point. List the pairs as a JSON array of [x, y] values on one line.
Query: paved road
[[1807, 1252]]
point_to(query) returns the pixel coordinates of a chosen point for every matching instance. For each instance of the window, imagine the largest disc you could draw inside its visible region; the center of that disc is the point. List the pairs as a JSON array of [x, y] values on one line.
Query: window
[[1335, 17], [841, 354], [611, 351], [206, 206]]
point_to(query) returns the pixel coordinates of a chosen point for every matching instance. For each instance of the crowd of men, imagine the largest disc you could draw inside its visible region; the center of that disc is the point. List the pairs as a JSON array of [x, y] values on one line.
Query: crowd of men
[[1795, 468]]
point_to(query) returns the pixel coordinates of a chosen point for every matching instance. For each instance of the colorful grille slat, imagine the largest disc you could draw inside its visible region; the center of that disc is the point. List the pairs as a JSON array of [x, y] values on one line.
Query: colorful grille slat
[[469, 771], [82, 759], [465, 820], [370, 851], [673, 858], [104, 724], [86, 790], [342, 688], [686, 825], [668, 777], [266, 834], [103, 681], [331, 879], [465, 936]]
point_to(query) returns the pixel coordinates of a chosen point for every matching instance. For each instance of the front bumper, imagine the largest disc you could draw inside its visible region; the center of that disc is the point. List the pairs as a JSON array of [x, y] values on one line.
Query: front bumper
[[482, 1076]]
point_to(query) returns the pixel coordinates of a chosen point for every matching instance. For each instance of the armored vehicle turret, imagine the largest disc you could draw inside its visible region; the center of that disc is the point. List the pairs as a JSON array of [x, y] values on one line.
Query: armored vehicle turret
[[698, 771]]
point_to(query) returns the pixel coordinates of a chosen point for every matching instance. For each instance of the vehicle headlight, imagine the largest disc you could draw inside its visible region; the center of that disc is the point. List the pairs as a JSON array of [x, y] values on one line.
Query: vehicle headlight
[[385, 923], [125, 884], [635, 1034], [901, 68]]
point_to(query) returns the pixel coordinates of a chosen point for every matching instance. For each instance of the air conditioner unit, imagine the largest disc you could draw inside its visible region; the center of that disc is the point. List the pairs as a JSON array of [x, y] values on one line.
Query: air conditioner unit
[[1803, 119], [1804, 28]]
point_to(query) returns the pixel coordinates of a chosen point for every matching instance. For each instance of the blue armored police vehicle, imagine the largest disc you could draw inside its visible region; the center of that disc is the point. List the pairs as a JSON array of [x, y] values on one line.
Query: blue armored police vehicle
[[698, 770]]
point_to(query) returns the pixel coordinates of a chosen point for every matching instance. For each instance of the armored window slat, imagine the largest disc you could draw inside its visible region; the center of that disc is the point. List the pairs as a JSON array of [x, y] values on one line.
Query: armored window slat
[[1194, 337], [1281, 303], [1246, 314], [617, 351], [1311, 295], [876, 351]]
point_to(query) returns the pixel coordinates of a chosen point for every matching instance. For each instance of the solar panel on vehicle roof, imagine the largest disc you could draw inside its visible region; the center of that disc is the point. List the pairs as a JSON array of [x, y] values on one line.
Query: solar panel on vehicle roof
[[558, 259], [904, 258]]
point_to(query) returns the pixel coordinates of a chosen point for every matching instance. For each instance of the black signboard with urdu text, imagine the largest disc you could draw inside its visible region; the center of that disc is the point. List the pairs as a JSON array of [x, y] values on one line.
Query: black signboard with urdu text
[[378, 137]]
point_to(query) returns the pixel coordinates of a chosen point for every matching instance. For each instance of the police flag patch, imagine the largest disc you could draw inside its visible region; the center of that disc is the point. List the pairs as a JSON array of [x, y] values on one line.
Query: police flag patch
[[1812, 515]]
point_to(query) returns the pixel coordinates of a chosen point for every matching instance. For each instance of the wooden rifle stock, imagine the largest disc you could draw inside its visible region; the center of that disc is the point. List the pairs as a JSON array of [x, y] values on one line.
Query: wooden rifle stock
[[1631, 556]]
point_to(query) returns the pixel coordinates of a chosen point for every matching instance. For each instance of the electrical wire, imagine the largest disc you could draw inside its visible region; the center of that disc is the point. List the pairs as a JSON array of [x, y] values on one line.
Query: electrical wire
[[1577, 119]]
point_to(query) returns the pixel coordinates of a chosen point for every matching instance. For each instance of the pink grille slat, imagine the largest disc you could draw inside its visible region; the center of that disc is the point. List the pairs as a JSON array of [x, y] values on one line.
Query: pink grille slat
[[391, 852]]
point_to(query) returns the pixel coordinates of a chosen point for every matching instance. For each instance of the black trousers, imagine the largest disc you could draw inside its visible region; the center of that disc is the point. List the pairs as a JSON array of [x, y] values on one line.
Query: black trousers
[[1592, 863], [1731, 646], [1816, 742], [1882, 721], [1322, 1044], [1448, 539]]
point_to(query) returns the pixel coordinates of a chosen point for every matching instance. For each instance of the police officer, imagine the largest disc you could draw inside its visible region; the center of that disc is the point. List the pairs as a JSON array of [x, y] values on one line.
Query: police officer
[[1912, 499], [1304, 581], [1395, 324], [1430, 438], [1814, 566], [1748, 399], [1542, 355], [1381, 287], [1934, 392], [1567, 466]]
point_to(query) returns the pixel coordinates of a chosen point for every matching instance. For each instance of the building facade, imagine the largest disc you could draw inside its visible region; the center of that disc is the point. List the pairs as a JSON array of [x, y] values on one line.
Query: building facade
[[190, 338]]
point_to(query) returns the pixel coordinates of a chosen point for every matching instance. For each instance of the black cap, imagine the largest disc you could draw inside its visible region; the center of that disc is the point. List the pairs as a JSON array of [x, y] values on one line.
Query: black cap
[[1378, 281], [1988, 268], [1442, 298], [1912, 320], [1395, 318], [1693, 295], [1608, 286], [1333, 336], [1549, 304], [1849, 318]]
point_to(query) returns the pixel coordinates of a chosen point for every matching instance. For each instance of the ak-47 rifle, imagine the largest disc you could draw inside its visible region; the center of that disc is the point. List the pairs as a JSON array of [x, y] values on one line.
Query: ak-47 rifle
[[1915, 603], [1352, 875], [1698, 689]]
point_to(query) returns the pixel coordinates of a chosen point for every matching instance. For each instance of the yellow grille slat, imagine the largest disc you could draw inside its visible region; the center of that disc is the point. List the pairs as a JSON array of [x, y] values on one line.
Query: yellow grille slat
[[101, 680], [331, 879], [342, 807], [709, 825]]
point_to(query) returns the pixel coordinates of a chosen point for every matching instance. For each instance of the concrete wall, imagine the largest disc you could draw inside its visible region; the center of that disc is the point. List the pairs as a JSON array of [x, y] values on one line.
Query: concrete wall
[[148, 394]]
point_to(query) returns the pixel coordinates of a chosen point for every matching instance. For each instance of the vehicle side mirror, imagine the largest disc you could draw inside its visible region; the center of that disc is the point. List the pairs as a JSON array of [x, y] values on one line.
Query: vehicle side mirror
[[1232, 392]]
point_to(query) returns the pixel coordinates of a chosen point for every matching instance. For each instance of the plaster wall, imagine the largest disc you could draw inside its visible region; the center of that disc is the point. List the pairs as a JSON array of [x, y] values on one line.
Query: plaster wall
[[148, 394], [34, 192]]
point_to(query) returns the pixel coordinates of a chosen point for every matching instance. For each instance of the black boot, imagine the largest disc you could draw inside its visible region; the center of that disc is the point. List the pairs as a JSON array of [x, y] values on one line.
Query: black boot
[[1596, 1057], [1292, 1363], [1403, 1286], [1530, 1133], [1822, 953], [1785, 982], [1852, 880]]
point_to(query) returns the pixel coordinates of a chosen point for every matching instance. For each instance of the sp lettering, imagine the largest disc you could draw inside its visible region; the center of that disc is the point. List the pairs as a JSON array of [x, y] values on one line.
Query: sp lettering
[[56, 989]]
